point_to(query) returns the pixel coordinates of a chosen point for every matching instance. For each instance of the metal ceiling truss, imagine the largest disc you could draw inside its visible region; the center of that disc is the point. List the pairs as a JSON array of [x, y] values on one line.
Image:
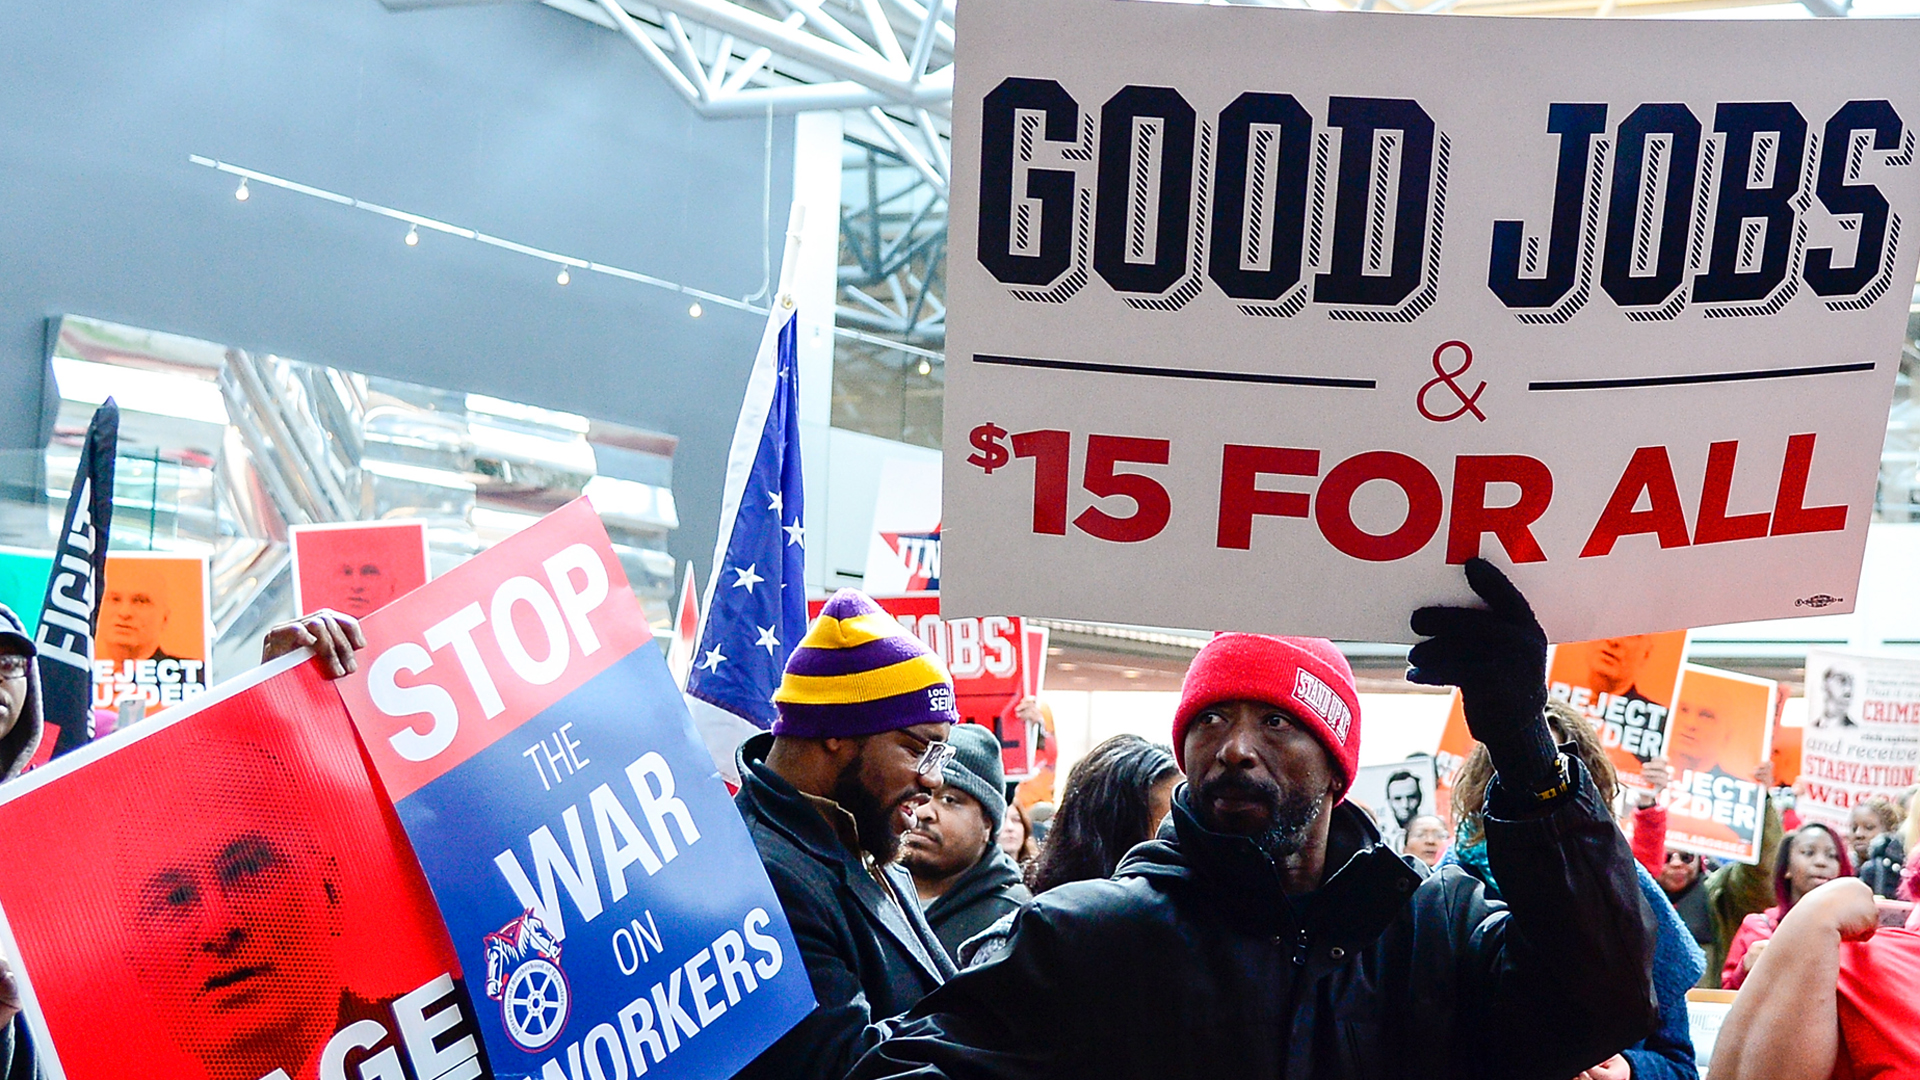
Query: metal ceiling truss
[[888, 66], [893, 246]]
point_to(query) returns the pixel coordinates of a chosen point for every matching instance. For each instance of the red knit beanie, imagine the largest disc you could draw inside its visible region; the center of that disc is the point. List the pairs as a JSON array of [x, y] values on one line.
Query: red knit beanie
[[1305, 676]]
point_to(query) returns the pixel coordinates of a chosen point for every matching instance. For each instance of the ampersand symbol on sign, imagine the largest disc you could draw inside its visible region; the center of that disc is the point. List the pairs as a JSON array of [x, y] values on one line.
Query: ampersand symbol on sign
[[1467, 400]]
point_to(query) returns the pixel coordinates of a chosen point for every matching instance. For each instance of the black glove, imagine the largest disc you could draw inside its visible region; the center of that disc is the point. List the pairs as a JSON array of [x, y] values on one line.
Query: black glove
[[1497, 656]]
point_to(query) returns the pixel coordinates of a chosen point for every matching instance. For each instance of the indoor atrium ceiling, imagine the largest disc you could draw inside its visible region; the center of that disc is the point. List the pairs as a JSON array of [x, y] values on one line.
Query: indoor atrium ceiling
[[889, 63]]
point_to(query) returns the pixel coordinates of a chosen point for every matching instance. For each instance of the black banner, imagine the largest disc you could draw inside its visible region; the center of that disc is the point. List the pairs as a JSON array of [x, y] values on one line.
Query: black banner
[[71, 611]]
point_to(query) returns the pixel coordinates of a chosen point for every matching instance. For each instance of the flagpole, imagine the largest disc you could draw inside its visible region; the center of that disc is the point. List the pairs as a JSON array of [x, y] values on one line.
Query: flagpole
[[790, 258]]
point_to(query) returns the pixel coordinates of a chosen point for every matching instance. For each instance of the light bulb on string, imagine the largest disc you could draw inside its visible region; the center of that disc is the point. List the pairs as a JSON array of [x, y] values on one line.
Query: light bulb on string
[[413, 236], [695, 310], [241, 193], [925, 368], [564, 276]]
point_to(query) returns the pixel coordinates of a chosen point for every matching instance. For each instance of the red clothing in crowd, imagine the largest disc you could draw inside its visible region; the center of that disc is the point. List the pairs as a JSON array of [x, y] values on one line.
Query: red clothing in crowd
[[1880, 1008], [1755, 927], [1650, 838]]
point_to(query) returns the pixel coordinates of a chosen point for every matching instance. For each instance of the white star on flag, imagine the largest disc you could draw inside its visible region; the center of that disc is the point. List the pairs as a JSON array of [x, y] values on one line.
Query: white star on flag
[[794, 533], [774, 503], [713, 659], [746, 579], [767, 640]]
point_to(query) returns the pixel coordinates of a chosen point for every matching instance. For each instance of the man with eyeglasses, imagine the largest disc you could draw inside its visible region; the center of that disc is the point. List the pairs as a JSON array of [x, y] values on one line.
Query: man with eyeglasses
[[864, 714]]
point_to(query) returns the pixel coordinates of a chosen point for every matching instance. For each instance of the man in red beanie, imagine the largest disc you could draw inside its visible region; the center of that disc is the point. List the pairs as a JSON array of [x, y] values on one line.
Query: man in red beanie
[[1268, 932]]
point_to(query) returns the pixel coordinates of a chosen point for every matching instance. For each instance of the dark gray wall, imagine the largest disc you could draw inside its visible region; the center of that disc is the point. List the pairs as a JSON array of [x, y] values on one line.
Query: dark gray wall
[[513, 118]]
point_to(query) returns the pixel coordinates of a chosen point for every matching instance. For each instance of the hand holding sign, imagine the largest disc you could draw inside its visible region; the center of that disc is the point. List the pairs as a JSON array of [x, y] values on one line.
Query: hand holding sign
[[331, 635], [1497, 656]]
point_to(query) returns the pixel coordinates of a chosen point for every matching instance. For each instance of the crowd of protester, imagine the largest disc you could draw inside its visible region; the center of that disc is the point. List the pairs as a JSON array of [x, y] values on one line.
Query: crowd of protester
[[1216, 905]]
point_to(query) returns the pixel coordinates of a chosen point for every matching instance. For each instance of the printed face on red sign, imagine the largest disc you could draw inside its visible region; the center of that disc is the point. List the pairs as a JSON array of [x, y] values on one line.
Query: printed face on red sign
[[231, 910], [361, 569]]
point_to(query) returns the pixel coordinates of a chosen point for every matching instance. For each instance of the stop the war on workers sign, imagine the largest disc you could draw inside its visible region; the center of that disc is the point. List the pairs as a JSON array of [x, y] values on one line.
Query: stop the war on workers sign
[[1277, 316], [601, 891]]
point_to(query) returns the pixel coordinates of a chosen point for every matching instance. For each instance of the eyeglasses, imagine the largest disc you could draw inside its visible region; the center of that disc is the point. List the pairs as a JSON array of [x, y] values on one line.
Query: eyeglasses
[[14, 666], [934, 759], [1684, 858]]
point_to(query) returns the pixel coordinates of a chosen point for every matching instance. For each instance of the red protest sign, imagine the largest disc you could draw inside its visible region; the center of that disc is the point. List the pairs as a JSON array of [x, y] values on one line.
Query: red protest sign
[[357, 567], [996, 661], [447, 671], [229, 877]]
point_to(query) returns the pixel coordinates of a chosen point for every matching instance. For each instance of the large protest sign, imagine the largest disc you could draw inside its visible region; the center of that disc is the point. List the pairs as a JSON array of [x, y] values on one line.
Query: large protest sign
[[155, 632], [995, 662], [1266, 319], [591, 869], [357, 566], [1721, 727], [1626, 686], [1863, 731], [224, 892]]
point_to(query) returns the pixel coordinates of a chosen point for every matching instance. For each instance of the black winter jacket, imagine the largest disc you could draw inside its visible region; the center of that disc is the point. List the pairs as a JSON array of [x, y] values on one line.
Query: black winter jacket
[[1193, 962], [991, 889], [869, 958]]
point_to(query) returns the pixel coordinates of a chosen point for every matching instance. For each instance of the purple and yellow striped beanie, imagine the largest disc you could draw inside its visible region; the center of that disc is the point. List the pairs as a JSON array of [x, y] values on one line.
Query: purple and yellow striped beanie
[[859, 672]]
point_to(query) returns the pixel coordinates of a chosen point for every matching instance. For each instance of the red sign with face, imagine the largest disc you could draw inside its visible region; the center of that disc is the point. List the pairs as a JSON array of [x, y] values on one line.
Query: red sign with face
[[237, 888], [358, 567]]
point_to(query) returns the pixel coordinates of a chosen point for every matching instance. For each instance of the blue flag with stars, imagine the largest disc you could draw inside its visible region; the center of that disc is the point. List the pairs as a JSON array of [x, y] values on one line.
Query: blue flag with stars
[[756, 603]]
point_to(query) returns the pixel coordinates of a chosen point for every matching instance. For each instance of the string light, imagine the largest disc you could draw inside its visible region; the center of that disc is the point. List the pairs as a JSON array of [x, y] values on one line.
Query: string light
[[696, 309], [925, 367]]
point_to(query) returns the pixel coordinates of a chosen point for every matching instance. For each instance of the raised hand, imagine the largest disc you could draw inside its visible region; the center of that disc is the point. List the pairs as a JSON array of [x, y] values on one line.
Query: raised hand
[[1497, 656]]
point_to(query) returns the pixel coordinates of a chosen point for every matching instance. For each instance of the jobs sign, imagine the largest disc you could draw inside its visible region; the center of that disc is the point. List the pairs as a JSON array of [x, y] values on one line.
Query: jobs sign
[[1278, 316]]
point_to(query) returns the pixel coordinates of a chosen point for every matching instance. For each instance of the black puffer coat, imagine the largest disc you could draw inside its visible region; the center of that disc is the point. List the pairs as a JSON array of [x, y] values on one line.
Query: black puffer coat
[[1192, 962], [869, 956], [978, 900]]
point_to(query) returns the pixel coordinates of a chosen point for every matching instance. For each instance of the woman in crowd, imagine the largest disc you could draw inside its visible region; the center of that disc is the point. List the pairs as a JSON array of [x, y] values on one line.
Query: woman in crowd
[[1834, 996], [1116, 797], [1810, 856], [1667, 1054], [1875, 838], [1427, 839], [1016, 836]]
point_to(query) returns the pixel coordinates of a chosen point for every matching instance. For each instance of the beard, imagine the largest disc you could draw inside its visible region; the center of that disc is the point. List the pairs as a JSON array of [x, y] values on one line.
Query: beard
[[1290, 814], [872, 819]]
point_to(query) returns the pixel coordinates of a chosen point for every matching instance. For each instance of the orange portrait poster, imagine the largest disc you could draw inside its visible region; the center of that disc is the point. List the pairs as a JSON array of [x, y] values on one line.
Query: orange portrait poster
[[155, 636], [1721, 729], [1626, 686]]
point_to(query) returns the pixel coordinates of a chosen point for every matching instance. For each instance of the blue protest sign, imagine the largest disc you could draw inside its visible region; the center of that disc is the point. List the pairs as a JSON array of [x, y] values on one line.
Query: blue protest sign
[[603, 895]]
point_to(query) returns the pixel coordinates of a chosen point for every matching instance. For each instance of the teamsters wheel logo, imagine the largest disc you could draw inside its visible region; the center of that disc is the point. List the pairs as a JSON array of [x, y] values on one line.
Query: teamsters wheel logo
[[535, 1006], [524, 976]]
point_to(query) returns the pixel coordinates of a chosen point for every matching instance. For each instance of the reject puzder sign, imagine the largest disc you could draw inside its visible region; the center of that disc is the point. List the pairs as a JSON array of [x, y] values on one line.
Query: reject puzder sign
[[599, 886], [1276, 317]]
